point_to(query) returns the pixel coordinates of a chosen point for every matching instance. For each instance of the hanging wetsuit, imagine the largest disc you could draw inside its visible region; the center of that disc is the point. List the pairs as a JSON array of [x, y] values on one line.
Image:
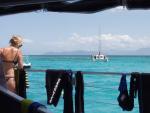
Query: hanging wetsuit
[[124, 99], [54, 86], [123, 96], [133, 88], [56, 81], [79, 93], [68, 100], [144, 93]]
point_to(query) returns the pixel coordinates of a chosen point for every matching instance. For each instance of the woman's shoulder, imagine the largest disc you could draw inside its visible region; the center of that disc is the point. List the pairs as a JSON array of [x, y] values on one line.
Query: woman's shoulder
[[1, 49], [10, 48]]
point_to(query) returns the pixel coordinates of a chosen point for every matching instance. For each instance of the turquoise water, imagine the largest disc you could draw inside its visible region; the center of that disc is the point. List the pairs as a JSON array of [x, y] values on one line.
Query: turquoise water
[[100, 91]]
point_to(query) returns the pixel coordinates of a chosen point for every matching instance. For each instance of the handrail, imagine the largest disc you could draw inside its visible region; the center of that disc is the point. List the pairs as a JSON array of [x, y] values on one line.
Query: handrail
[[86, 72], [12, 96], [9, 94]]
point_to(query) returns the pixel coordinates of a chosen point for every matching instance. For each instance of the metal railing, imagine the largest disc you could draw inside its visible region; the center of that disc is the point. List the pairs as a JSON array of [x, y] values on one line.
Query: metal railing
[[86, 72]]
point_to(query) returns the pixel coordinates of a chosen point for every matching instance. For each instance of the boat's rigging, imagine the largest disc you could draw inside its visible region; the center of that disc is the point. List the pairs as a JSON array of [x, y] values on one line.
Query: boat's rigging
[[99, 41], [99, 56]]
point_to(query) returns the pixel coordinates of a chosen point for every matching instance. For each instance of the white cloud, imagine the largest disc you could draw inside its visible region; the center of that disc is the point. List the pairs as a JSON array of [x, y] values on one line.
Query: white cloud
[[124, 42], [26, 40], [108, 42], [91, 43], [82, 39]]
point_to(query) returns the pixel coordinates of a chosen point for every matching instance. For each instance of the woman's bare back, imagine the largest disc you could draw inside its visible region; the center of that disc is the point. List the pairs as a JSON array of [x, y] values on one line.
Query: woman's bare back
[[9, 57]]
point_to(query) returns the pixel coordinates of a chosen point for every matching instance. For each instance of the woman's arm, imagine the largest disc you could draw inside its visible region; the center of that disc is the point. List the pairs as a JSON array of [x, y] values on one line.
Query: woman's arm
[[1, 51], [20, 60]]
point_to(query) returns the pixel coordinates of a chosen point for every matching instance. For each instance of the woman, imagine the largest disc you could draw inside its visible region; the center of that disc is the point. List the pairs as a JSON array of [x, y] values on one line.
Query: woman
[[10, 56]]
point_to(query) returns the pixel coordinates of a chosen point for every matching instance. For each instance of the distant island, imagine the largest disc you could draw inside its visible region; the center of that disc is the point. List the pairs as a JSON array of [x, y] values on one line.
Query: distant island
[[79, 52], [142, 51]]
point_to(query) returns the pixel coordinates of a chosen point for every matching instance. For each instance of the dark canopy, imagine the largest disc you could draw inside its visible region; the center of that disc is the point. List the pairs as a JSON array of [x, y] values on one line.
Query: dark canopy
[[76, 6]]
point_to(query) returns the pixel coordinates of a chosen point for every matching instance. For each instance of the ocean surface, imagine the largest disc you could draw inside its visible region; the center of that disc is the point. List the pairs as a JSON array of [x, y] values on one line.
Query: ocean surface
[[101, 91]]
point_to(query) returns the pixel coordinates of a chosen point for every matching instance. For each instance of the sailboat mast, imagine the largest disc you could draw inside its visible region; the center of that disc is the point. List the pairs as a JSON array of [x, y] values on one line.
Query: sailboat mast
[[99, 41]]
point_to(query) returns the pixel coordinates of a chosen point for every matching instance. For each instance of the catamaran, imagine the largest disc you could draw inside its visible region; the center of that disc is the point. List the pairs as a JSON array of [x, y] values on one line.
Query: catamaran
[[99, 56]]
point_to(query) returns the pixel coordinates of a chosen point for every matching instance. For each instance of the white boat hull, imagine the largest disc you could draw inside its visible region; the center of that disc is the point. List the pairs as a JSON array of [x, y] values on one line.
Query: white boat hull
[[99, 57]]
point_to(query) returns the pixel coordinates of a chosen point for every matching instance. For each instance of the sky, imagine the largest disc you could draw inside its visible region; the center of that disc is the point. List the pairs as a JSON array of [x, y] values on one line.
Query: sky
[[120, 31]]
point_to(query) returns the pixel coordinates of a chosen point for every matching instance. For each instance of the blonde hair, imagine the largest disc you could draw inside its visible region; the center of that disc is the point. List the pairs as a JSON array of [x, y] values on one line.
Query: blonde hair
[[16, 41]]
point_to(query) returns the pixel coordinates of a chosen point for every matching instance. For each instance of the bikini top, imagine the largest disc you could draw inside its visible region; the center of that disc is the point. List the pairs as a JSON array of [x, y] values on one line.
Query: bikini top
[[13, 61]]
